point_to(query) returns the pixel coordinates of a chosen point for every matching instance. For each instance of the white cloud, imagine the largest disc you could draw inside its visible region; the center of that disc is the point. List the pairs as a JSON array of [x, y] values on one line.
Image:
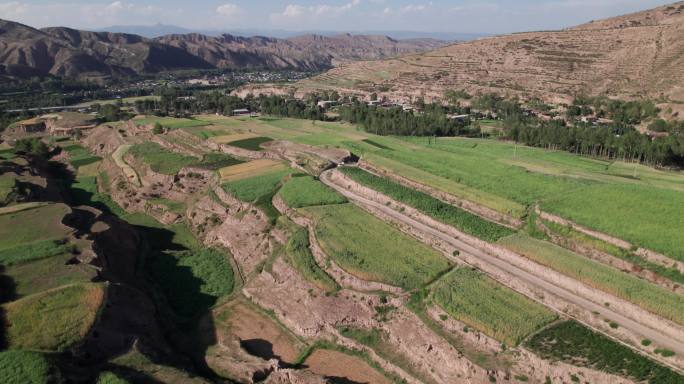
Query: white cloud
[[411, 8], [295, 11], [229, 10], [13, 9]]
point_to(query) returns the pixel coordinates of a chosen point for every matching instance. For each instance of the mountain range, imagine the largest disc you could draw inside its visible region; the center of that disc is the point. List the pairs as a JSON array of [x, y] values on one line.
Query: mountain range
[[59, 51], [158, 30]]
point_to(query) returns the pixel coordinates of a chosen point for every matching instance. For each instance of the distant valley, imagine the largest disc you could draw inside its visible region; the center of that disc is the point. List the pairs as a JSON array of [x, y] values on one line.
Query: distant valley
[[26, 52]]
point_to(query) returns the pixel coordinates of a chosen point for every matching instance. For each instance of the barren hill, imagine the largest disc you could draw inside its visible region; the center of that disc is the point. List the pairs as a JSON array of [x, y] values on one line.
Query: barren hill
[[641, 54], [25, 51]]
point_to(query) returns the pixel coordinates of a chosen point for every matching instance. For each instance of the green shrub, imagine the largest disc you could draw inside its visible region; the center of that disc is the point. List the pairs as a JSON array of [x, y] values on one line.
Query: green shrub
[[21, 367]]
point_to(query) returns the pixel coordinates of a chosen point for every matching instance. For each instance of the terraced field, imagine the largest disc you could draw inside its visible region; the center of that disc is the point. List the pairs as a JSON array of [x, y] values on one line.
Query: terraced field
[[482, 303], [598, 194], [372, 250], [649, 296]]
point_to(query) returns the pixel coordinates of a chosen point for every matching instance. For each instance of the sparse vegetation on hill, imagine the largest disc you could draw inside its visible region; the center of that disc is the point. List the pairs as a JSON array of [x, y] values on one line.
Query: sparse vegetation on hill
[[449, 214], [305, 191], [480, 302], [575, 344], [373, 250]]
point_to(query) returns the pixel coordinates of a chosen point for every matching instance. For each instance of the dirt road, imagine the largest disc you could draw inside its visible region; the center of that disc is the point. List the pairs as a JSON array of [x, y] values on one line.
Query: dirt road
[[467, 249]]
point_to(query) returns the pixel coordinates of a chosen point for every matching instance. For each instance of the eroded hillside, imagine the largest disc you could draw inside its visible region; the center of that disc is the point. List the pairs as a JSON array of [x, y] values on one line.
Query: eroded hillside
[[638, 55]]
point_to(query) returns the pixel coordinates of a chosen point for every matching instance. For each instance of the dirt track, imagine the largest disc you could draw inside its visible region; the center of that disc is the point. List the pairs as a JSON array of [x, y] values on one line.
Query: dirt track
[[491, 261]]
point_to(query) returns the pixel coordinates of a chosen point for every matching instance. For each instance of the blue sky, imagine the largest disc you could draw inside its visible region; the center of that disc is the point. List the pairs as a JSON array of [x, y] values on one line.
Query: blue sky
[[467, 16]]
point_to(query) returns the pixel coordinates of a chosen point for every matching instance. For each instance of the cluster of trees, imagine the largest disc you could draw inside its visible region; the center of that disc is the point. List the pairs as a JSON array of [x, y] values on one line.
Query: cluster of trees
[[673, 126], [290, 107], [610, 142], [626, 112], [32, 146], [434, 121]]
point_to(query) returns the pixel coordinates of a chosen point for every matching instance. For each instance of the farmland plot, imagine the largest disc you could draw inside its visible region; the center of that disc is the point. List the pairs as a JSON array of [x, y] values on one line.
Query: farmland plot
[[642, 293], [373, 250], [480, 302]]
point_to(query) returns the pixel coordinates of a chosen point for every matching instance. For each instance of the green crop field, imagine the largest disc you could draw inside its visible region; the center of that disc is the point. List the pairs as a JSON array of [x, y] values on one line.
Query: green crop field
[[373, 250], [38, 224], [599, 194], [642, 293], [259, 190], [300, 255], [79, 156], [53, 320], [671, 273], [192, 281], [446, 213], [252, 144], [305, 191], [21, 367], [575, 344], [52, 272], [482, 303], [252, 188], [33, 251], [160, 159]]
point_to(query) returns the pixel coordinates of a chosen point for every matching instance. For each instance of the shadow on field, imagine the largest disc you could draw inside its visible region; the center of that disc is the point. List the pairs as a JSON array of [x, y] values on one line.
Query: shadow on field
[[341, 380], [7, 294]]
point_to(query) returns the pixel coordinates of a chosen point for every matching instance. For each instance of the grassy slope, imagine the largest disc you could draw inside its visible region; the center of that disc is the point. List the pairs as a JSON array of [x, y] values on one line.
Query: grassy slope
[[482, 303], [42, 223], [52, 272], [373, 250], [53, 320], [305, 191], [648, 296]]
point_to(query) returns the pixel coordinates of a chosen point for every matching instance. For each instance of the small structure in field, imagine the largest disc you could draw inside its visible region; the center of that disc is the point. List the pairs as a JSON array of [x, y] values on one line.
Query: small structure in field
[[241, 112], [325, 104]]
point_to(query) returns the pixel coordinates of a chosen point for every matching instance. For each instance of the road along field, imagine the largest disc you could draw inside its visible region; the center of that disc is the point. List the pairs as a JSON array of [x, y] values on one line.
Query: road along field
[[516, 272], [598, 194]]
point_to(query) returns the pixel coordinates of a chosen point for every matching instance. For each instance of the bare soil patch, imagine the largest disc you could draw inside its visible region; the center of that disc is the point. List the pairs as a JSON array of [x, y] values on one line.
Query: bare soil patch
[[337, 365]]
